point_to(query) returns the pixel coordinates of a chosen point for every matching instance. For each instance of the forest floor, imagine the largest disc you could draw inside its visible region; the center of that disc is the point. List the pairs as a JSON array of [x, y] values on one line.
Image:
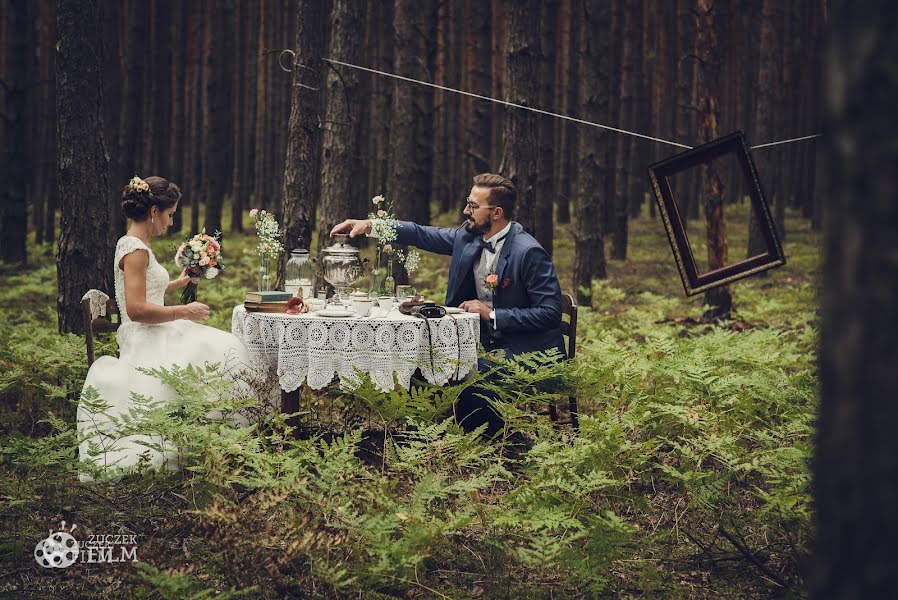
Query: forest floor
[[689, 477]]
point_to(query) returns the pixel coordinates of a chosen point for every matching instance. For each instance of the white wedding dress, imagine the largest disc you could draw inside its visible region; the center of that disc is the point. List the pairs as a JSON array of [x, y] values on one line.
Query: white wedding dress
[[178, 342]]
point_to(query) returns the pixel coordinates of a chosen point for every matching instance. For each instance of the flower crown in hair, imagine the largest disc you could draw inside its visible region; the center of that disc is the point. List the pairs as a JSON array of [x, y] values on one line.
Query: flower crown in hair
[[140, 186]]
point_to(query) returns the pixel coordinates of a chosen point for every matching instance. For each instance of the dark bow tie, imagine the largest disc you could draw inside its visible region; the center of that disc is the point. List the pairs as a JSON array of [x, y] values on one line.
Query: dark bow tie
[[490, 246]]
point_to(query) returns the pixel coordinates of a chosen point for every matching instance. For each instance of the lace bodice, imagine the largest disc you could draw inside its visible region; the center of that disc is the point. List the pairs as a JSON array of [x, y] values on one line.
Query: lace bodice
[[157, 275]]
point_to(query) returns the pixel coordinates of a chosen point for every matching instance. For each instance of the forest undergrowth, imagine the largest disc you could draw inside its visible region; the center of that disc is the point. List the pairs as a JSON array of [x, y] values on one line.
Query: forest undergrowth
[[689, 476]]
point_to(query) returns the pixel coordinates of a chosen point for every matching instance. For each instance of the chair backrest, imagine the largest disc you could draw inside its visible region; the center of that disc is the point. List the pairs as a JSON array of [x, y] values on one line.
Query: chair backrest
[[569, 326], [98, 310]]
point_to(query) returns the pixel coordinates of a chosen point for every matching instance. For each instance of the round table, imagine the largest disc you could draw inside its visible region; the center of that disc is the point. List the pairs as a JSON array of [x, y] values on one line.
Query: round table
[[315, 349]]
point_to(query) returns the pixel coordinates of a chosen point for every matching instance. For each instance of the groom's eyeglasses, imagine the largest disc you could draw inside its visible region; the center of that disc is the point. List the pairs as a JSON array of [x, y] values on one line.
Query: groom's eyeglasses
[[472, 207]]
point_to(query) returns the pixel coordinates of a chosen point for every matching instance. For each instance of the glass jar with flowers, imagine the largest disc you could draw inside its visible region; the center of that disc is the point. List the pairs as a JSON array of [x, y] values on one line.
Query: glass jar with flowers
[[383, 229], [268, 230]]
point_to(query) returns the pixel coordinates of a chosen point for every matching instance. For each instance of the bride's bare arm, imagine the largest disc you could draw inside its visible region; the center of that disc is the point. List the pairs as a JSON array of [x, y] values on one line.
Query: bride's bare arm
[[135, 266], [177, 284]]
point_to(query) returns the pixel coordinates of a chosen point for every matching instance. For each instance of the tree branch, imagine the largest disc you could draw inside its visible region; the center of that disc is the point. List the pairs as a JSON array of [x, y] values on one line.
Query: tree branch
[[754, 559]]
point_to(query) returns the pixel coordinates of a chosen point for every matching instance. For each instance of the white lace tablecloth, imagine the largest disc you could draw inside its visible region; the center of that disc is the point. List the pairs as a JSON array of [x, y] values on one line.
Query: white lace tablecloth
[[315, 349]]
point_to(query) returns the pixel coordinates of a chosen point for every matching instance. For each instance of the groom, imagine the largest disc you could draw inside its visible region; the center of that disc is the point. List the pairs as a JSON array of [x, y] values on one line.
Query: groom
[[498, 271]]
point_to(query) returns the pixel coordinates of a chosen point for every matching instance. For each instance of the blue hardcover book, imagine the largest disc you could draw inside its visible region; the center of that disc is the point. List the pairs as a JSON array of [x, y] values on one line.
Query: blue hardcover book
[[269, 296]]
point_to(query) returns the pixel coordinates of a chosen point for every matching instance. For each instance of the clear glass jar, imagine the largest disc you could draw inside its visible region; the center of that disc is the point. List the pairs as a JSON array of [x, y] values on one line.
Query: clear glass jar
[[299, 274]]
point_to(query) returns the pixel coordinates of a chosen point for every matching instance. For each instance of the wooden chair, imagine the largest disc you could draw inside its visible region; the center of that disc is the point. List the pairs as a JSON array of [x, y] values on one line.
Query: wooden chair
[[568, 329], [98, 310]]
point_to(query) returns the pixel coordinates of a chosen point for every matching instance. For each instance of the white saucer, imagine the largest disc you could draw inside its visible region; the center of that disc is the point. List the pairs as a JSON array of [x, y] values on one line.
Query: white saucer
[[453, 310], [336, 312]]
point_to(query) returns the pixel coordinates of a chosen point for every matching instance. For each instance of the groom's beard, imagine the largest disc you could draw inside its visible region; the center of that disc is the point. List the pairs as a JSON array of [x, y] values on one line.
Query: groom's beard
[[475, 227]]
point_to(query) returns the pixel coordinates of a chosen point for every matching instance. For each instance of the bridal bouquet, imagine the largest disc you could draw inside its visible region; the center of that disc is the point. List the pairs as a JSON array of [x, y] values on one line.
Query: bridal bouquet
[[200, 256]]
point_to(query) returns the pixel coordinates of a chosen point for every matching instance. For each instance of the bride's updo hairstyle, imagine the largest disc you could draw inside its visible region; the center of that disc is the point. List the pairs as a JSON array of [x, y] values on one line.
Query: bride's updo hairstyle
[[140, 195]]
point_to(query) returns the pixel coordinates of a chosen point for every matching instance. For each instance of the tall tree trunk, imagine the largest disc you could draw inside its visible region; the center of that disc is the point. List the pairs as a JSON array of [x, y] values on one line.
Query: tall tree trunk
[[545, 183], [441, 185], [112, 19], [86, 240], [718, 300], [130, 115], [592, 18], [626, 119], [341, 109], [378, 142], [476, 79], [215, 117], [520, 135], [240, 68], [13, 203], [411, 160], [263, 106], [565, 99], [768, 77], [856, 467], [302, 184], [500, 77], [175, 139]]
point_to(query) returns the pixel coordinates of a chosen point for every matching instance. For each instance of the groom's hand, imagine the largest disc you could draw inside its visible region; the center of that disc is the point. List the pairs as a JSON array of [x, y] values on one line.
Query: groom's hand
[[476, 306], [353, 227]]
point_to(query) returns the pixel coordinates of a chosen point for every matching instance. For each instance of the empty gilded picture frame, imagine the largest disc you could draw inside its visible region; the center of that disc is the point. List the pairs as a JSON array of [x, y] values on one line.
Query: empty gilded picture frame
[[661, 174]]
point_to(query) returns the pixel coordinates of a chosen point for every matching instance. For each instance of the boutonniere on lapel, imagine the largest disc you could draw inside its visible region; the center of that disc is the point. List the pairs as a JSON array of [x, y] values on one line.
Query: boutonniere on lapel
[[491, 282]]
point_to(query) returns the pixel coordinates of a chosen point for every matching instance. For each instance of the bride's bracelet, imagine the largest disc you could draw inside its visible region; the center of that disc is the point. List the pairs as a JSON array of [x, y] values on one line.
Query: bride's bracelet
[[174, 314]]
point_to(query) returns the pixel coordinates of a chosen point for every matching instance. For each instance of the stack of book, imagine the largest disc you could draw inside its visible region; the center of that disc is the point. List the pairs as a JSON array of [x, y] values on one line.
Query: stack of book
[[272, 301]]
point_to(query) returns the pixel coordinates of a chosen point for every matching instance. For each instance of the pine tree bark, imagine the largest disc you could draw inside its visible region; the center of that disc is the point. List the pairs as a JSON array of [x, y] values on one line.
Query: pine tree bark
[[215, 119], [626, 119], [768, 77], [520, 130], [379, 141], [13, 202], [262, 143], [86, 240], [302, 182], [177, 126], [240, 68], [411, 158], [545, 183], [476, 79], [719, 300], [592, 18], [131, 114], [341, 109], [565, 99], [855, 469]]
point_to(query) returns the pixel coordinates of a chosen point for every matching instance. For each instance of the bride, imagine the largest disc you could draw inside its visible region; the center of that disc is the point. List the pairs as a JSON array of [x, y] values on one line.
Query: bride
[[151, 335]]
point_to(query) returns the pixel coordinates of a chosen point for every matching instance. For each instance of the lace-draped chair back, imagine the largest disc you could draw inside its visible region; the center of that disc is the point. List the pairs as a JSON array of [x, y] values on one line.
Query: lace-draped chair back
[[157, 275]]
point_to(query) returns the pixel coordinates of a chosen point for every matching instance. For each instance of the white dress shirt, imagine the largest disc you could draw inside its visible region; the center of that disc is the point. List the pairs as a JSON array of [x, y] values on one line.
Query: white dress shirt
[[486, 266]]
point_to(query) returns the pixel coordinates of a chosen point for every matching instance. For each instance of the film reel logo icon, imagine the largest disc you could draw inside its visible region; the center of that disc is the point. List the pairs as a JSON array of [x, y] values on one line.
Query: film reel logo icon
[[59, 550]]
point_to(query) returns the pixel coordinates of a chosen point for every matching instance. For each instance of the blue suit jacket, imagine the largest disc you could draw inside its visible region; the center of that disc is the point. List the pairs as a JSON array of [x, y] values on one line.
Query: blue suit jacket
[[528, 299]]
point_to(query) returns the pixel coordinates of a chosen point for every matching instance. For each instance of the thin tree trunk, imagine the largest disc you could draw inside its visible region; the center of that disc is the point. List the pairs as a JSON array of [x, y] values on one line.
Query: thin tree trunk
[[215, 118], [520, 132], [476, 79], [13, 203], [718, 300], [545, 183], [86, 241], [302, 184], [565, 98], [766, 103], [342, 106], [626, 118], [592, 18], [131, 115], [176, 141], [411, 160]]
